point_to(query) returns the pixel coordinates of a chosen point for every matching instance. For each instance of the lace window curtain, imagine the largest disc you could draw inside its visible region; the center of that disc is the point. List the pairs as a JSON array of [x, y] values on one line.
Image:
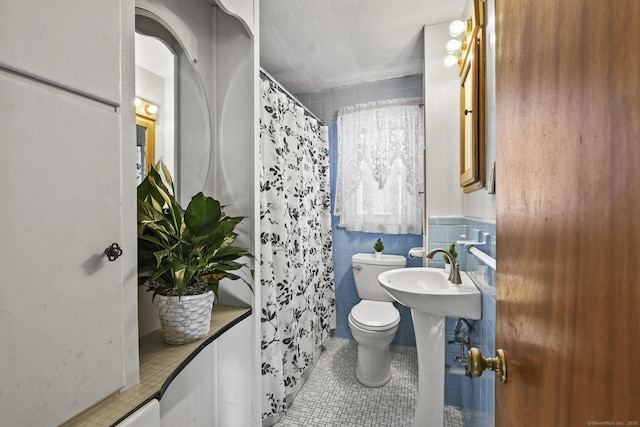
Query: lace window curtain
[[380, 167]]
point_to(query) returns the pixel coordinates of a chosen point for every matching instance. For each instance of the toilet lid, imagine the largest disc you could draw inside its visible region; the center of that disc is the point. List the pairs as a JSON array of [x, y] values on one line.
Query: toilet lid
[[375, 315]]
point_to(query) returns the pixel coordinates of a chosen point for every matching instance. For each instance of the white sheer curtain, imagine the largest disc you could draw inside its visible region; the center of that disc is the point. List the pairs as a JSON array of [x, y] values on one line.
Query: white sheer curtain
[[296, 258], [380, 167]]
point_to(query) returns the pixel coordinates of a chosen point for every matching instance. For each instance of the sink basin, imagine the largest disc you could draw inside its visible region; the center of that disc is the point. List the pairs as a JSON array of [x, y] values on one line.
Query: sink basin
[[432, 298], [428, 290]]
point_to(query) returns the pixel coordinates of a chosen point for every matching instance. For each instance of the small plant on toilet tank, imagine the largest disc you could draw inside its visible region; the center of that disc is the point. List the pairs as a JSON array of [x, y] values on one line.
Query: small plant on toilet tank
[[378, 246]]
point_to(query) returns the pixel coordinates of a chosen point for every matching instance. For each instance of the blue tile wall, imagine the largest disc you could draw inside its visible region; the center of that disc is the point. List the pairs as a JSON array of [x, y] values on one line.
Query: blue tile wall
[[347, 243], [325, 104], [476, 396]]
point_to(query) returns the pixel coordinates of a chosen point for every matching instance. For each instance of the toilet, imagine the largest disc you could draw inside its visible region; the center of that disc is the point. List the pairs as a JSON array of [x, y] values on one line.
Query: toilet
[[374, 320]]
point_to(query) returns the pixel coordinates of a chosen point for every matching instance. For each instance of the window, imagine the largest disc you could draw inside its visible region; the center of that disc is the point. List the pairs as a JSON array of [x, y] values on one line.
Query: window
[[380, 167]]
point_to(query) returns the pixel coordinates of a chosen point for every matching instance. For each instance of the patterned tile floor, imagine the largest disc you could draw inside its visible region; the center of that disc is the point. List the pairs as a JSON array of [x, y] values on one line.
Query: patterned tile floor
[[332, 396]]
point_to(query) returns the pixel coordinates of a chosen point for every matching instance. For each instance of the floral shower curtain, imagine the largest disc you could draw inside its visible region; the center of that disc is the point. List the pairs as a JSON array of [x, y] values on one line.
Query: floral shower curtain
[[296, 263]]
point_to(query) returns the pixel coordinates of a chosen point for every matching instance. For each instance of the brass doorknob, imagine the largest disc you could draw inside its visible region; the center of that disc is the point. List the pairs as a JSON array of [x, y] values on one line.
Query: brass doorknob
[[477, 363]]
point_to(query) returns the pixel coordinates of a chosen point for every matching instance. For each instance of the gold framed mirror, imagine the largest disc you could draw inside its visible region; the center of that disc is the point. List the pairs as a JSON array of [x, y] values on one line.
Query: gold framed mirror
[[146, 114], [471, 62]]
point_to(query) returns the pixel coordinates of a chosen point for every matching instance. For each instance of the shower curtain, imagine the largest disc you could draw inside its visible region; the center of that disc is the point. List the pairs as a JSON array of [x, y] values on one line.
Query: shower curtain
[[296, 263]]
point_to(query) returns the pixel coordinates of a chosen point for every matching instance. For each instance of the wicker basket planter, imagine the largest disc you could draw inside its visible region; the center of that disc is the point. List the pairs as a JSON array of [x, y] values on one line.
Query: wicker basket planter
[[185, 319]]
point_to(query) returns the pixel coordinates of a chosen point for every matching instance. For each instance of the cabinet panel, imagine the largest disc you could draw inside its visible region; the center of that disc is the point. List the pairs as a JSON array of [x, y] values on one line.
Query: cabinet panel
[[189, 399], [216, 387], [60, 298], [73, 43], [235, 377], [147, 416]]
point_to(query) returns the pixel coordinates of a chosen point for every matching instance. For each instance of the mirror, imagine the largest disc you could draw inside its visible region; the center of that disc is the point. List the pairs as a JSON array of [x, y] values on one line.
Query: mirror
[[472, 102], [146, 114], [183, 128]]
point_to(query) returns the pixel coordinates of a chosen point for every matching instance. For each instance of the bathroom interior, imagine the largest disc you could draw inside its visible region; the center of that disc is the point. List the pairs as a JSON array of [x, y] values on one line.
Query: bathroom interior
[[221, 89], [447, 219]]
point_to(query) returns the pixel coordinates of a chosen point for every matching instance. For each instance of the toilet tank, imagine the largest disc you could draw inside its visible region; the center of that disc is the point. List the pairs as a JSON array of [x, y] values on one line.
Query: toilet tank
[[367, 267]]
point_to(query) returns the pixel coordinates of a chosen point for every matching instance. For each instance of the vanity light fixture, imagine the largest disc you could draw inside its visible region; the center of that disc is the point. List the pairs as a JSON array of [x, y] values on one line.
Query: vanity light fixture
[[456, 28], [146, 109], [151, 109], [453, 46], [450, 61]]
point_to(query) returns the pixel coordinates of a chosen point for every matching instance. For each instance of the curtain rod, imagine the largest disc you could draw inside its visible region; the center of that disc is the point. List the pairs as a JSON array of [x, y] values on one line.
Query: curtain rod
[[382, 103], [264, 74]]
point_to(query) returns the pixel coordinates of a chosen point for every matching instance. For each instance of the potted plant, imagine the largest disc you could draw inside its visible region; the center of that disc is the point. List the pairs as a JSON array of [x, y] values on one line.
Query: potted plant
[[183, 254], [454, 254], [378, 247]]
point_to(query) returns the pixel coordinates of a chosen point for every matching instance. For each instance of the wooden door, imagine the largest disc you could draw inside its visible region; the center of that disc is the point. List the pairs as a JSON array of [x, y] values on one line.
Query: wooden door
[[61, 300], [568, 211]]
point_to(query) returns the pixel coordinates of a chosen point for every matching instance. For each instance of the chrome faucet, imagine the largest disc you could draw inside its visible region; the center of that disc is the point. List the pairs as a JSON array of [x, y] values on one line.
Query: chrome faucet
[[454, 275]]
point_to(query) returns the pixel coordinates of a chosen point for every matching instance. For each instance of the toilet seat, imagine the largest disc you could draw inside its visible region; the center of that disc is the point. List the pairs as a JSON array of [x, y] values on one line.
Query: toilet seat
[[375, 315]]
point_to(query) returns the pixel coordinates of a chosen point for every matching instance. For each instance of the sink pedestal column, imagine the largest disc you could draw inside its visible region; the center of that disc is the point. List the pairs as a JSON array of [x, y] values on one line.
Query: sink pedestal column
[[430, 339]]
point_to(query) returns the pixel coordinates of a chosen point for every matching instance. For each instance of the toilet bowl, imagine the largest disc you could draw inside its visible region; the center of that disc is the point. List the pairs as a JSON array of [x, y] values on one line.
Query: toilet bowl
[[374, 320], [374, 336]]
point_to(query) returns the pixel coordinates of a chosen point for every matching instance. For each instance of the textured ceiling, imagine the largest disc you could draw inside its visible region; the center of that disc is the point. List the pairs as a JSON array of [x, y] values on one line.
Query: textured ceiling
[[318, 44]]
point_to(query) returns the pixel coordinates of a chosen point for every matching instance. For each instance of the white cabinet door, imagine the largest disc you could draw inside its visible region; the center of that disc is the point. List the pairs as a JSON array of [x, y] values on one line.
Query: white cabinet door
[[72, 43], [61, 334]]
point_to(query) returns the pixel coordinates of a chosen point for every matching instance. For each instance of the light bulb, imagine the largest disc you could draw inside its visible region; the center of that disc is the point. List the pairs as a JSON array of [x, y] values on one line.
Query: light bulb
[[453, 46], [151, 109], [456, 28], [450, 61]]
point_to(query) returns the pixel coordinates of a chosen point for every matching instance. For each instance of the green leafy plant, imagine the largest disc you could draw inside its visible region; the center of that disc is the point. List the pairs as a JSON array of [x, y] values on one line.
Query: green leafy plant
[[378, 246], [452, 251], [183, 252]]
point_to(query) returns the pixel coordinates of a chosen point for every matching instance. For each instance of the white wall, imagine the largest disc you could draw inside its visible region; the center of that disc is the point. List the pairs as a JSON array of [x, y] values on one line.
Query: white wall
[[244, 10], [480, 204], [442, 126], [231, 179]]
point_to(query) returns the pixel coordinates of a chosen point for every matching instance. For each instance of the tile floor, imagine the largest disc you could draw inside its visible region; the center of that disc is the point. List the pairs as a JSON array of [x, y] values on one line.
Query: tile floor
[[332, 396]]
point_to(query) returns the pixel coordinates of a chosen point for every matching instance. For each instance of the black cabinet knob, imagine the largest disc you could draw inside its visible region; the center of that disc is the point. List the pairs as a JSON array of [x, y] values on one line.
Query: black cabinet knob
[[113, 252]]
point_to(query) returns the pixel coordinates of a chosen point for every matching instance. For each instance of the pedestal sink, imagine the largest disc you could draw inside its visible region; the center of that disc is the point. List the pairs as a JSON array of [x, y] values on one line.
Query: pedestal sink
[[431, 298]]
